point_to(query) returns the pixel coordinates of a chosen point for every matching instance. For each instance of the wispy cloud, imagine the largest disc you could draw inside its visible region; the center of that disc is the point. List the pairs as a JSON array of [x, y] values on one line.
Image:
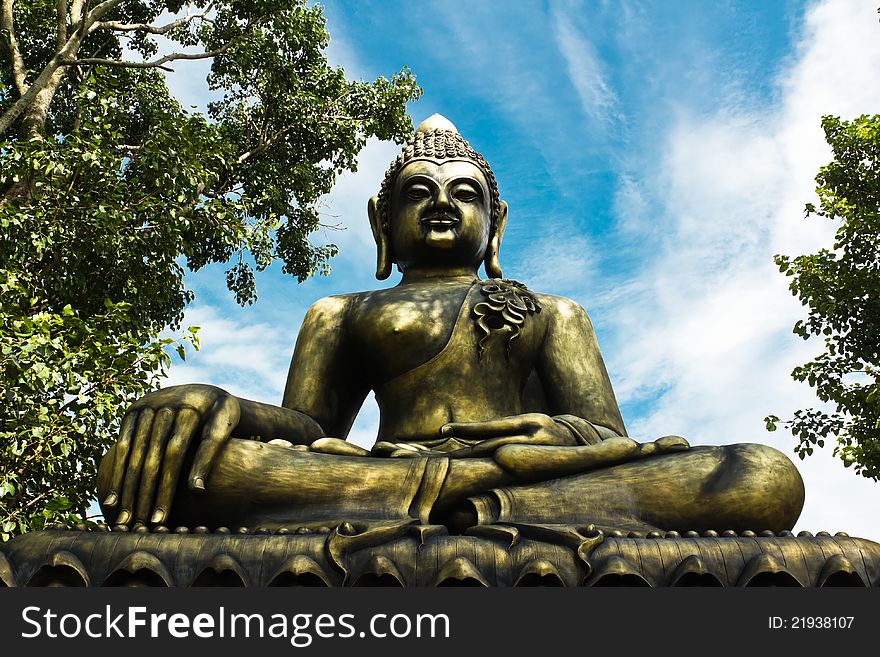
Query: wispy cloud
[[346, 206], [559, 261], [585, 72]]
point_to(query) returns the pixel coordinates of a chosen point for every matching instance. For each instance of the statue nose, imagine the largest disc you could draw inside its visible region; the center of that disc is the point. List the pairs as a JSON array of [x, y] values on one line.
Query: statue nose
[[442, 200]]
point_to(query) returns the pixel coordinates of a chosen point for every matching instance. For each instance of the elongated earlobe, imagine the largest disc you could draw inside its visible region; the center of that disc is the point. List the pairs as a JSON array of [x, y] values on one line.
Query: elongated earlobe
[[383, 246], [490, 260]]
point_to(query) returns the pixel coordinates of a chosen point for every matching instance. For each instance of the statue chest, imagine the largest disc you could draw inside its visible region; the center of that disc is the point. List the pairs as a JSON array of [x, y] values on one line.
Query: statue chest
[[394, 335], [395, 331]]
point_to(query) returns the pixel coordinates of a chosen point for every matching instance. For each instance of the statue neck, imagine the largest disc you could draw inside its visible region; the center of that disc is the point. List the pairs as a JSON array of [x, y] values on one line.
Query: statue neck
[[422, 274]]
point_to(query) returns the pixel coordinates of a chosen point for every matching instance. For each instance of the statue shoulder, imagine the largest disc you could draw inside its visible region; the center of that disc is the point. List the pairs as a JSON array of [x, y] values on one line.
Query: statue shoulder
[[554, 305], [331, 311], [513, 302], [566, 320], [562, 309]]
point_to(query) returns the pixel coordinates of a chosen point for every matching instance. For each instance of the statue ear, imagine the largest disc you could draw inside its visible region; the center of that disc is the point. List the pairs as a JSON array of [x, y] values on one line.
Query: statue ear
[[490, 260], [383, 247]]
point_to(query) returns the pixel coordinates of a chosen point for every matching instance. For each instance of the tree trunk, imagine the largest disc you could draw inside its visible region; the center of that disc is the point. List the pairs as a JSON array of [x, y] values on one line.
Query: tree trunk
[[34, 117]]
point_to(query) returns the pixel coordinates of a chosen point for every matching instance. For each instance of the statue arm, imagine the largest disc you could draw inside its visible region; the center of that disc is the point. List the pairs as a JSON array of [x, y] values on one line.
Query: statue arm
[[266, 422], [573, 374], [582, 428], [141, 471], [324, 382], [161, 428]]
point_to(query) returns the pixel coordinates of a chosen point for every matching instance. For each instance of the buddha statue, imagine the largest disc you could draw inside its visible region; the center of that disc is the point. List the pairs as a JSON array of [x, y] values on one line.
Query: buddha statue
[[495, 404]]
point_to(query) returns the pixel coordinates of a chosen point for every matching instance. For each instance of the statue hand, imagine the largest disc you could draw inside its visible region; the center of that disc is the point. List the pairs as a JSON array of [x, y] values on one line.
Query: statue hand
[[525, 429], [156, 434], [537, 461]]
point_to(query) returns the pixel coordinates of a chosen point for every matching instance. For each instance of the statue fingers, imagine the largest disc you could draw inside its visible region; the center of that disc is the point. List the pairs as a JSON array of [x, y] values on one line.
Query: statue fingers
[[185, 425], [540, 461], [223, 420], [338, 447], [383, 448], [120, 457], [505, 426], [404, 453], [150, 473], [135, 464], [488, 447], [672, 444], [663, 445]]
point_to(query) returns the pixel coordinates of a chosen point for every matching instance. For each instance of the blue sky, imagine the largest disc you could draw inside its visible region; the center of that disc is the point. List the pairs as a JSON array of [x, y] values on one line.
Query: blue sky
[[655, 155]]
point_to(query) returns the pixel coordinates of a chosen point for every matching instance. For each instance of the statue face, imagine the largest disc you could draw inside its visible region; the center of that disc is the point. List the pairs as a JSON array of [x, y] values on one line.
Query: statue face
[[440, 214]]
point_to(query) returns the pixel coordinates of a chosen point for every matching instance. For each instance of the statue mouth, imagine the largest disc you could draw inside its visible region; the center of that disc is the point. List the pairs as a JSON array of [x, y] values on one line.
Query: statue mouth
[[440, 222]]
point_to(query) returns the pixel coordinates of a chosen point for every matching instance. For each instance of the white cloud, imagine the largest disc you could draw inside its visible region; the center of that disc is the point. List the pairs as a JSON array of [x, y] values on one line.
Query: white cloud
[[631, 207], [706, 322], [558, 261], [188, 83], [503, 59], [186, 79], [597, 98], [366, 426], [245, 357]]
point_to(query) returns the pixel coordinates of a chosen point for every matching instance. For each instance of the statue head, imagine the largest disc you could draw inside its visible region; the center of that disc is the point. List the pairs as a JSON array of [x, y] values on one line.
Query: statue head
[[437, 153]]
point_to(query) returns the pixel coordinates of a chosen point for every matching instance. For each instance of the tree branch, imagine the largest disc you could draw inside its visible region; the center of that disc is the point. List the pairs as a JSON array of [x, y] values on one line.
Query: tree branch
[[152, 29], [264, 146], [7, 27], [61, 23], [98, 12], [78, 476], [27, 98], [156, 63], [76, 10]]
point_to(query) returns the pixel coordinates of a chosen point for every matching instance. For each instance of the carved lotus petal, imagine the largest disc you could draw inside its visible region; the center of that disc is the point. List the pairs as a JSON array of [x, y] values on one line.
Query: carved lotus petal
[[62, 569], [301, 570], [380, 571], [139, 569], [765, 570], [460, 572], [840, 571]]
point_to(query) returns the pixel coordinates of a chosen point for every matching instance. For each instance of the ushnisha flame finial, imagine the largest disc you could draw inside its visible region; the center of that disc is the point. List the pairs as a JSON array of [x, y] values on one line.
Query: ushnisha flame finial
[[437, 122]]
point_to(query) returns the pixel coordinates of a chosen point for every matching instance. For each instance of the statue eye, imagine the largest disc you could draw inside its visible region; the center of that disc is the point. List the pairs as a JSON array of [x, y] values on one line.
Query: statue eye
[[418, 193], [465, 194]]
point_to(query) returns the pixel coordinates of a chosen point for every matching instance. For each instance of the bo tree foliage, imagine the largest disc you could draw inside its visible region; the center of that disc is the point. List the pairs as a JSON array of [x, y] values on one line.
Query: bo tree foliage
[[841, 289], [108, 187]]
